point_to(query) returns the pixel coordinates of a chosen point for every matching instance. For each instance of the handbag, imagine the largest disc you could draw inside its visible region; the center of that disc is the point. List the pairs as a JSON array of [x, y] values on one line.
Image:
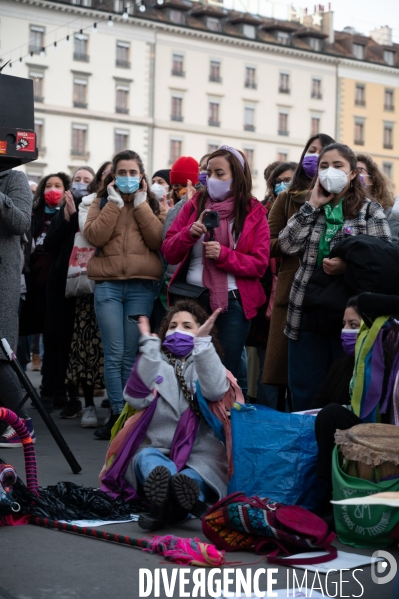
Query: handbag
[[77, 281], [263, 526], [182, 290]]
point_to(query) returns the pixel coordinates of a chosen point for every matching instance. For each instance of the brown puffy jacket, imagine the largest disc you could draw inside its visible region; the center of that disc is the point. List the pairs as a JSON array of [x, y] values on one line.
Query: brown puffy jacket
[[129, 240]]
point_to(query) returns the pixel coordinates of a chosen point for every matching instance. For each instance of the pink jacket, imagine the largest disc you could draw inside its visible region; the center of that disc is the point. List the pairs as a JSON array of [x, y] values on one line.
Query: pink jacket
[[247, 262]]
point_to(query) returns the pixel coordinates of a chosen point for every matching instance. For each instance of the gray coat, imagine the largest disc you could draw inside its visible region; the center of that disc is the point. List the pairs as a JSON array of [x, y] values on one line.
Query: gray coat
[[208, 456], [170, 217], [15, 220]]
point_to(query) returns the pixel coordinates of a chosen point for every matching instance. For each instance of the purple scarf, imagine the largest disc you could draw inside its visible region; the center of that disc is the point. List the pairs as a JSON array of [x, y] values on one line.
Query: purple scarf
[[377, 369]]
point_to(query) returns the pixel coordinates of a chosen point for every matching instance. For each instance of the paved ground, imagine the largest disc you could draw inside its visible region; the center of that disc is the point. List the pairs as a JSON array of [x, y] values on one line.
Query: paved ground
[[44, 564]]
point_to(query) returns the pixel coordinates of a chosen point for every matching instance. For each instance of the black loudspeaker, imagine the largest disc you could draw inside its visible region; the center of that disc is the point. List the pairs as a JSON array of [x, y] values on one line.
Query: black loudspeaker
[[17, 122]]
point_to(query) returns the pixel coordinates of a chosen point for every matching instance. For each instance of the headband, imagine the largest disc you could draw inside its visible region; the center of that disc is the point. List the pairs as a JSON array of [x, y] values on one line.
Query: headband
[[236, 154]]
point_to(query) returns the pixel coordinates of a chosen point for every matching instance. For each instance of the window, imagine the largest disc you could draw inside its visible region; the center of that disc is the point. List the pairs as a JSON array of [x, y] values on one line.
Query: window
[[122, 99], [36, 39], [177, 65], [360, 95], [284, 86], [39, 124], [359, 132], [80, 47], [177, 105], [175, 150], [283, 38], [316, 89], [37, 79], [80, 93], [315, 43], [79, 139], [388, 136], [314, 125], [213, 118], [213, 24], [249, 118], [389, 99], [123, 55], [389, 57], [118, 5], [283, 156], [283, 123], [358, 51], [34, 176], [212, 147], [250, 77], [387, 168], [176, 16], [214, 72], [249, 155], [121, 140], [249, 31]]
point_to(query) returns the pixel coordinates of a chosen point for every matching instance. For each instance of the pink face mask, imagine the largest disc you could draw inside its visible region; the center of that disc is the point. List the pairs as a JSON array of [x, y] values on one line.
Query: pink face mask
[[52, 196]]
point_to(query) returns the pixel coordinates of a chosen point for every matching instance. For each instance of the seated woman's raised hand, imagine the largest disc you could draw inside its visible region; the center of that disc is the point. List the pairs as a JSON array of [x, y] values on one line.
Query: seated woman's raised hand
[[206, 328], [144, 326]]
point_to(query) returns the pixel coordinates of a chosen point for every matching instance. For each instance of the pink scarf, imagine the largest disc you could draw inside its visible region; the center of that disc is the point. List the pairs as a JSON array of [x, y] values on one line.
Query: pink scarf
[[213, 277]]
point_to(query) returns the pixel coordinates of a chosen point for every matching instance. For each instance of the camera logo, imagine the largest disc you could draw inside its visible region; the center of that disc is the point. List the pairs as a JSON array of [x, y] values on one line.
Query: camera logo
[[382, 567]]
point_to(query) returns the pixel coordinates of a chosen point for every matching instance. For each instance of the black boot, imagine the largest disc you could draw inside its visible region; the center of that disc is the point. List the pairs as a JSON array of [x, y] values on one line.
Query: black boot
[[104, 432], [186, 493], [157, 491]]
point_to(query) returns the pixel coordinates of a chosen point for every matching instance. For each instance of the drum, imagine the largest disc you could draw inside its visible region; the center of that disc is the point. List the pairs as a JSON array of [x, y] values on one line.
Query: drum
[[370, 451]]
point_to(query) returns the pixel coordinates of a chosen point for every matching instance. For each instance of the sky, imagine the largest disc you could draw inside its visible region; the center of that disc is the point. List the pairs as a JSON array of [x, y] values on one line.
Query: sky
[[363, 15]]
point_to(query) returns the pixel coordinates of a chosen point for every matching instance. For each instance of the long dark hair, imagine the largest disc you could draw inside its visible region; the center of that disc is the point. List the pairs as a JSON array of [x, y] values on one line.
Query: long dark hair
[[200, 315], [280, 168], [356, 194], [381, 187], [129, 155], [242, 186], [95, 184], [38, 200], [300, 181]]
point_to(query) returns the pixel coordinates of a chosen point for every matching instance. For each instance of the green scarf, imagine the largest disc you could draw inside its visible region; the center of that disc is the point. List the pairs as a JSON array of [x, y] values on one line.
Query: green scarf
[[334, 222]]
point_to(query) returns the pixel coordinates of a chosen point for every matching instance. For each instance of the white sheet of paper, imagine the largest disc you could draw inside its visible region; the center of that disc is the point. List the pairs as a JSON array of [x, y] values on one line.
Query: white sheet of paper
[[281, 593], [94, 523], [344, 560]]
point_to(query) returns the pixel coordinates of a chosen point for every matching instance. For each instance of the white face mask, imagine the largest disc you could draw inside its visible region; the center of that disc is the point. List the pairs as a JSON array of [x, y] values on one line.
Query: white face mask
[[158, 190], [333, 180]]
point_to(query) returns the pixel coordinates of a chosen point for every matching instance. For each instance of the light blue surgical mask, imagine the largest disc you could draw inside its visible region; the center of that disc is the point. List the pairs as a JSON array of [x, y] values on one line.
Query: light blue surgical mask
[[280, 187], [127, 184]]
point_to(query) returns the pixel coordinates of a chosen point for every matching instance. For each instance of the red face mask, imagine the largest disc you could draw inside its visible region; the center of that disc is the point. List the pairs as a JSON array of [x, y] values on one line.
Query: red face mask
[[52, 196]]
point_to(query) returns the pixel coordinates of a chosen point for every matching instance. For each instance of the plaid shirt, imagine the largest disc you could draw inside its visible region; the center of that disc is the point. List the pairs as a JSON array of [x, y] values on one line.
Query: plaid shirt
[[301, 238]]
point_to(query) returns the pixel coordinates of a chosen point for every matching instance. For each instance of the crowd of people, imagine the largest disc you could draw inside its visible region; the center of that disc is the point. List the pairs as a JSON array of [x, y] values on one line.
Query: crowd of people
[[188, 278]]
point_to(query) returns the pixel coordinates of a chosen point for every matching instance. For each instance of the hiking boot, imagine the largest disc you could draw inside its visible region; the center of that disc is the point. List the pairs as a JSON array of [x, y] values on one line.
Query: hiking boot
[[89, 418], [147, 522], [105, 403], [73, 409], [157, 492], [104, 432], [186, 493], [11, 439], [36, 363]]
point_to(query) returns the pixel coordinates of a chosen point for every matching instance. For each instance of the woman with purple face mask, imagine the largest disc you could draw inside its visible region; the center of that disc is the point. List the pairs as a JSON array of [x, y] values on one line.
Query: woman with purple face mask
[[226, 267], [287, 204]]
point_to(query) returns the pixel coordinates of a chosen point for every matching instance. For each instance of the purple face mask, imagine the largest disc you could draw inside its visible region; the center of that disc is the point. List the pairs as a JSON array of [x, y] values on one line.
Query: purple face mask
[[202, 177], [179, 343], [219, 190], [309, 164], [348, 338]]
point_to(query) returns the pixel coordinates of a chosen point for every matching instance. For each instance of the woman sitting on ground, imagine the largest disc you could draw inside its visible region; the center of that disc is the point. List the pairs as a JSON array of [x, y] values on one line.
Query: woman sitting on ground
[[180, 463]]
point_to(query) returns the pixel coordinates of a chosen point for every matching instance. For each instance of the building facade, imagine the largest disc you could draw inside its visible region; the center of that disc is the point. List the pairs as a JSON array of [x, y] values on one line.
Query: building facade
[[180, 78]]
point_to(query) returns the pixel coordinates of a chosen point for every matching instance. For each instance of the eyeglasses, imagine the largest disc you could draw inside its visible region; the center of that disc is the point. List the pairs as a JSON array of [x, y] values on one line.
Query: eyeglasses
[[105, 173], [285, 180], [362, 170]]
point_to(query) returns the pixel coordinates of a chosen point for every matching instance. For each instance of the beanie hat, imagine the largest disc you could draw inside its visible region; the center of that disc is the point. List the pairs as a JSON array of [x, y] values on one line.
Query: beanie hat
[[164, 173], [184, 168]]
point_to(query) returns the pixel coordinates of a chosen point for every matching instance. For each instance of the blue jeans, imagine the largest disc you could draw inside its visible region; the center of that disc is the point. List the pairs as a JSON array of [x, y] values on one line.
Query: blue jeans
[[149, 458], [267, 395], [233, 329], [309, 358], [115, 302]]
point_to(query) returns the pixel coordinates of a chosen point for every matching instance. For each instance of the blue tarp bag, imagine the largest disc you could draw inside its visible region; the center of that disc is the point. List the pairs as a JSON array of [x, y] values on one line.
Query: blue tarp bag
[[274, 455]]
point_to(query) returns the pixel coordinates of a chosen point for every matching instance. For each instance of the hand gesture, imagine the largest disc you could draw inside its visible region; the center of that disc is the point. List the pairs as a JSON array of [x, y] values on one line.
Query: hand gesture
[[212, 249], [190, 190], [70, 207], [334, 266], [198, 228], [206, 328], [164, 202], [144, 326], [317, 198], [144, 186]]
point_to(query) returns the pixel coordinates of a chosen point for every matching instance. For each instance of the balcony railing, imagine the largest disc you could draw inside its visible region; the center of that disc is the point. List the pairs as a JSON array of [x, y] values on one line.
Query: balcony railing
[[215, 78], [317, 96], [124, 64], [80, 104], [360, 102], [80, 56], [284, 90], [212, 123], [283, 132], [388, 146], [176, 117], [38, 99], [249, 127], [389, 107], [121, 110], [178, 73], [359, 142], [35, 49], [251, 84]]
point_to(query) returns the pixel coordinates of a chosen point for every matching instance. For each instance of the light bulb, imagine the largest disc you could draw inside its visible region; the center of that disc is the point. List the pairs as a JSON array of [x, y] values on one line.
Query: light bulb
[[20, 63], [42, 52], [67, 39], [94, 28], [159, 1], [142, 7], [110, 21], [55, 45], [10, 65], [125, 14]]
